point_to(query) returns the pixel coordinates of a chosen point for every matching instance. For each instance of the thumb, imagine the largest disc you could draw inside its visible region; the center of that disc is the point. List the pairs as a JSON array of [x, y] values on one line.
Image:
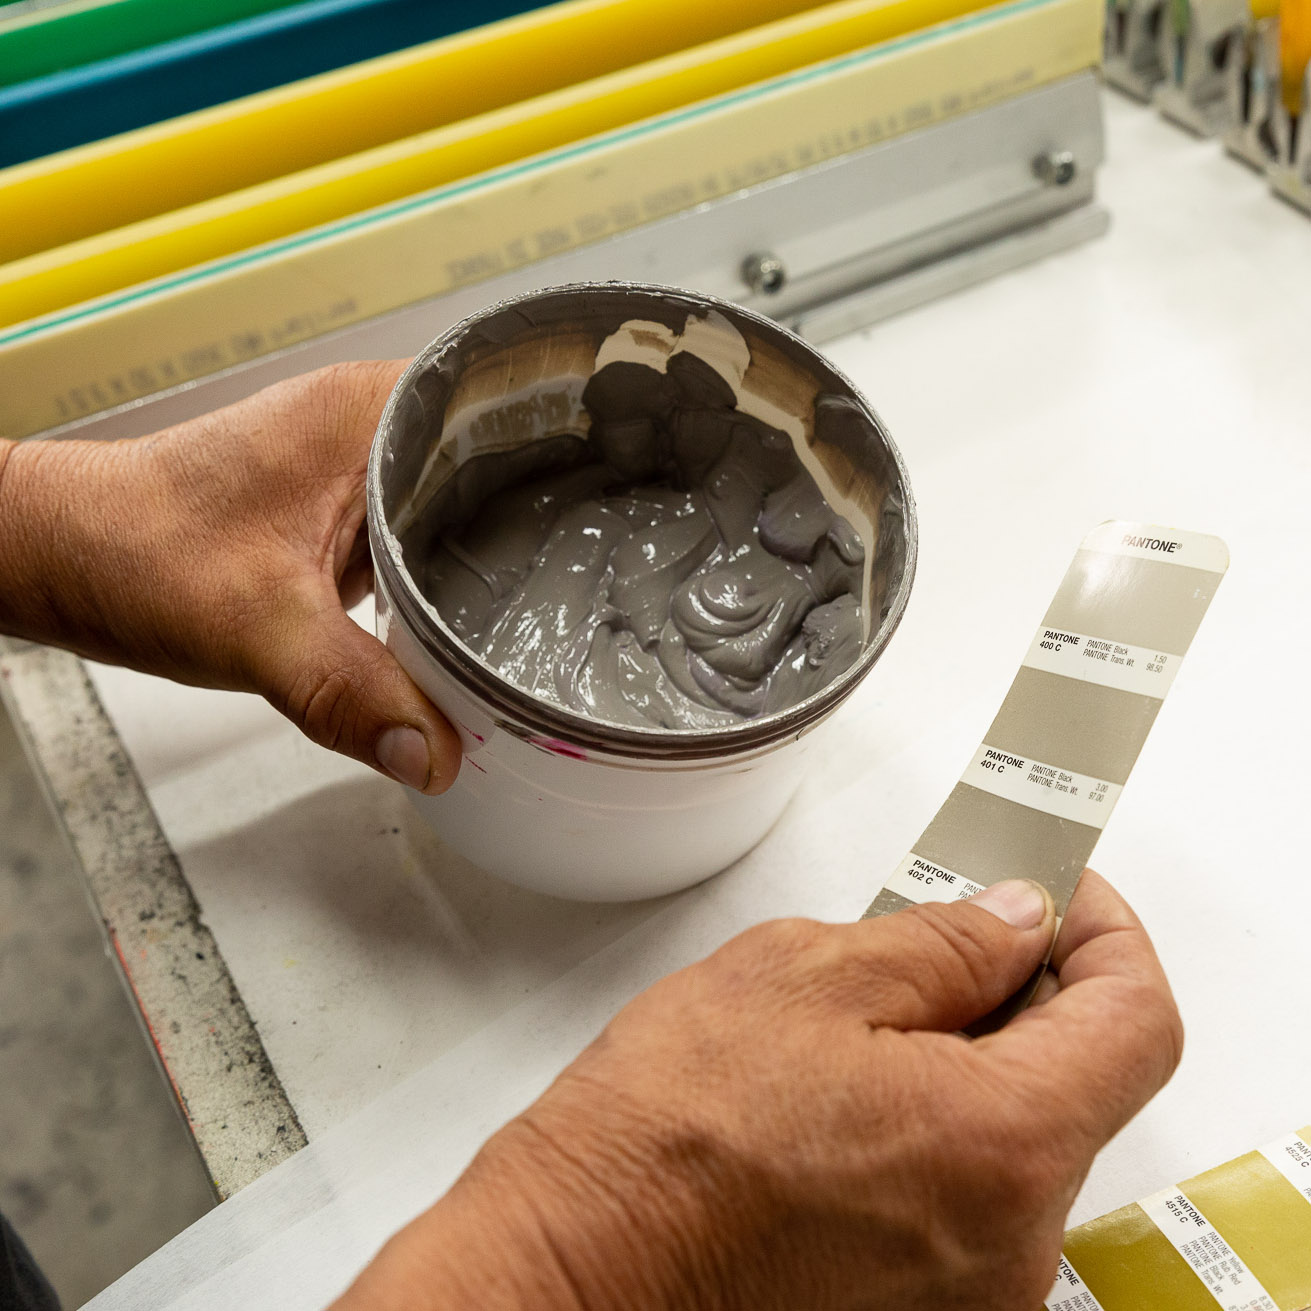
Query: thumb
[[945, 966], [345, 690]]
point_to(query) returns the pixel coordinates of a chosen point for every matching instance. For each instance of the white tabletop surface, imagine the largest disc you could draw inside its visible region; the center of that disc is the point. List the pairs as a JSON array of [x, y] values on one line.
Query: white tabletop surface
[[1160, 374]]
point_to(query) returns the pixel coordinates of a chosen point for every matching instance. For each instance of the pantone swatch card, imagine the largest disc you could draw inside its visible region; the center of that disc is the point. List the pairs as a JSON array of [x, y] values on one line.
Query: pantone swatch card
[[1236, 1238], [1042, 785]]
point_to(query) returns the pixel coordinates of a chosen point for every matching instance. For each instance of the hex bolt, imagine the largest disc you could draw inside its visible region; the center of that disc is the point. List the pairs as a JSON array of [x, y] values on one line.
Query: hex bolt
[[1056, 168], [764, 273]]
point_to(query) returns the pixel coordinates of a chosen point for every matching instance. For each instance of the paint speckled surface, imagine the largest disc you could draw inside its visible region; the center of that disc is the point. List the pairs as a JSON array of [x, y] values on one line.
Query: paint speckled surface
[[97, 1169], [225, 1085]]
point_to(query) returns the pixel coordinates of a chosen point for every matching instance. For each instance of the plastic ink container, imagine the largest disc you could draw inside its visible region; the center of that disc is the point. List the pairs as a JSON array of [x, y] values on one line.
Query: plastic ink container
[[547, 797]]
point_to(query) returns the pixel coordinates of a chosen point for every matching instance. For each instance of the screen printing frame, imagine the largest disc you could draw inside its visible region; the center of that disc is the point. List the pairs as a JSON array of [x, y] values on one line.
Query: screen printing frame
[[905, 222]]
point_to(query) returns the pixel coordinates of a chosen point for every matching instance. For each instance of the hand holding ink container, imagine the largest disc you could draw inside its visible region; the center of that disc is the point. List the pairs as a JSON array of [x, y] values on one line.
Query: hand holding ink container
[[636, 543]]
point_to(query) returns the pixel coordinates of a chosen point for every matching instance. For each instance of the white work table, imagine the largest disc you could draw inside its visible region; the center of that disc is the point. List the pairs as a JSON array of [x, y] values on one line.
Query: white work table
[[408, 1003]]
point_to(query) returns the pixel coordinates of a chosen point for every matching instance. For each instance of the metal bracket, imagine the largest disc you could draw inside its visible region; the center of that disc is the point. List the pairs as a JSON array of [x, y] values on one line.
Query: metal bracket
[[1198, 44], [859, 230], [1252, 88], [1290, 172], [1132, 61]]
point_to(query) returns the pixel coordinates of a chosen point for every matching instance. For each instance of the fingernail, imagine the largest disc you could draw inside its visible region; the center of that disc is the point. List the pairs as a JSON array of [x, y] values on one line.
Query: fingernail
[[1019, 903], [1048, 986], [403, 753]]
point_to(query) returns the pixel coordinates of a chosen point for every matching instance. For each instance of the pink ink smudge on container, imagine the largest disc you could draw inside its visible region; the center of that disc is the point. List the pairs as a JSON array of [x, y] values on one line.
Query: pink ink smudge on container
[[558, 748]]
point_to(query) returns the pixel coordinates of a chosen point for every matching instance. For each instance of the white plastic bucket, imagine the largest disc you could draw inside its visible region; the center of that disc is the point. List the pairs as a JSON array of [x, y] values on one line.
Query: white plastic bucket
[[547, 798]]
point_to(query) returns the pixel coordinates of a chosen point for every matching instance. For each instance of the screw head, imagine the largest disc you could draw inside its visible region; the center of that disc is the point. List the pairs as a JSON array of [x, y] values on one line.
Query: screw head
[[763, 272], [1057, 168]]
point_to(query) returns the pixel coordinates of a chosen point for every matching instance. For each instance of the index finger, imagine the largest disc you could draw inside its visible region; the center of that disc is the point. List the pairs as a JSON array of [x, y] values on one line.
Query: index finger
[[1107, 1042]]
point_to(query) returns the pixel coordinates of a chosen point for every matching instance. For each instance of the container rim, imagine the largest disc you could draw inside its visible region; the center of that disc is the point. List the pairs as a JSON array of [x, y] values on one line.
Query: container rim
[[530, 717]]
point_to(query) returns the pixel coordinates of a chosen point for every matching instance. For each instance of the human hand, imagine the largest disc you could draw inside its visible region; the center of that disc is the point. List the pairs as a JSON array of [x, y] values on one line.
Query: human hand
[[225, 552], [795, 1123]]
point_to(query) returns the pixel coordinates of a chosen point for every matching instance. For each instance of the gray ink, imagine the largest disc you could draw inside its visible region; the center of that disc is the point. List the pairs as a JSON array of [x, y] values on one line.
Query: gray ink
[[673, 565]]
